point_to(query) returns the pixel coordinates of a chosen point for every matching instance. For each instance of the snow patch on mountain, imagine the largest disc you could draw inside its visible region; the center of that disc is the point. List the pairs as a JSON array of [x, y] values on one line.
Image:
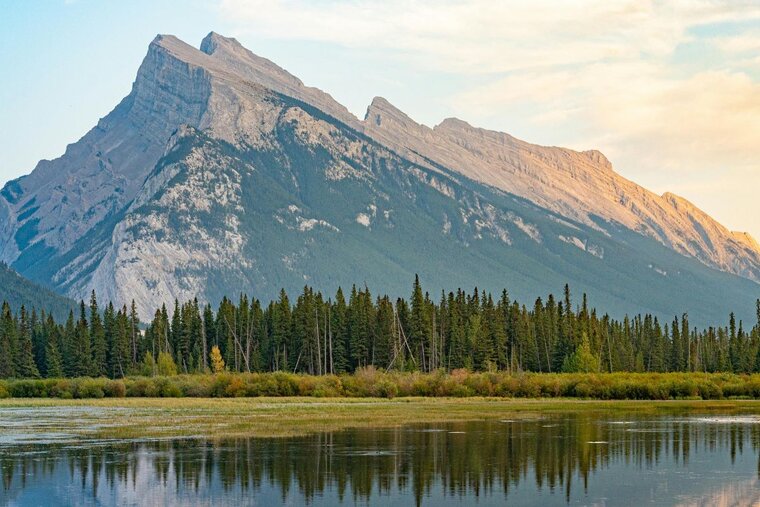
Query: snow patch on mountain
[[363, 219], [584, 245]]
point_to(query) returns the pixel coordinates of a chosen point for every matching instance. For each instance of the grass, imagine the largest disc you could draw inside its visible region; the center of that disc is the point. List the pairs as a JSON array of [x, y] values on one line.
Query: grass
[[372, 383], [133, 418]]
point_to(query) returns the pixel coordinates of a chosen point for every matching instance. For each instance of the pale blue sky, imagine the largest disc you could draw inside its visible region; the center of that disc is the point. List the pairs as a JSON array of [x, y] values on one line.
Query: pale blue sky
[[670, 91]]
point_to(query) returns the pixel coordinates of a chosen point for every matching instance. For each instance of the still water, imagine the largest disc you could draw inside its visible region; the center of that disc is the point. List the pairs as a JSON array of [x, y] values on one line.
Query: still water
[[568, 459]]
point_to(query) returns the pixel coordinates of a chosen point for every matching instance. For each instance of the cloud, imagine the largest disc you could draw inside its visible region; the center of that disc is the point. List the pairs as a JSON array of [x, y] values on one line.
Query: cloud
[[743, 43], [489, 36], [587, 73]]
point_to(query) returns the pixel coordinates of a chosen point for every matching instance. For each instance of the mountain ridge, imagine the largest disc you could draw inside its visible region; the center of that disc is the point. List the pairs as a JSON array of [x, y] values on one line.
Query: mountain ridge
[[17, 291], [62, 213]]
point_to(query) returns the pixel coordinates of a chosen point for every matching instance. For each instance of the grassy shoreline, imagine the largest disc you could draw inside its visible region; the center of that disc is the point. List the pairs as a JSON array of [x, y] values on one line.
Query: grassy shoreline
[[138, 418], [370, 383]]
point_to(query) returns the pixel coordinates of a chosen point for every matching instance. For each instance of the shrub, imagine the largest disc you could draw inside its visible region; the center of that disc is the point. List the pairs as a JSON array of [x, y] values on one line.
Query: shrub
[[166, 365], [236, 388], [163, 387], [138, 387], [374, 383], [330, 386], [195, 386], [387, 389], [63, 388], [115, 389], [28, 389], [89, 388]]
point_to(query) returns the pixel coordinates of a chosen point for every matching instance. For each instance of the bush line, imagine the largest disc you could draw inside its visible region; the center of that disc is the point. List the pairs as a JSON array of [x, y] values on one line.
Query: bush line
[[376, 384]]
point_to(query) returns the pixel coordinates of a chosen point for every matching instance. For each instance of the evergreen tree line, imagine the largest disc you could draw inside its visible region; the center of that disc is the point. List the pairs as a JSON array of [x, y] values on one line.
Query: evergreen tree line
[[319, 335]]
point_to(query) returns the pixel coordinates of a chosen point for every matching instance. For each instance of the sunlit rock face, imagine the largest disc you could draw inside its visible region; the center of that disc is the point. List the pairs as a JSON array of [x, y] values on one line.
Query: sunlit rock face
[[578, 185], [221, 172]]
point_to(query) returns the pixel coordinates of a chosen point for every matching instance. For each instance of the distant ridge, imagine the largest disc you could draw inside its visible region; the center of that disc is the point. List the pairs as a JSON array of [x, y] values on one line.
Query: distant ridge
[[17, 291]]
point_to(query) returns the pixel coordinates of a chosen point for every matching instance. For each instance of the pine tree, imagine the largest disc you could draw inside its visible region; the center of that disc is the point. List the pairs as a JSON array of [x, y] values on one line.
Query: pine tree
[[79, 351], [281, 333], [582, 360], [457, 335], [53, 361], [121, 357], [25, 365], [338, 332], [7, 342], [134, 333], [97, 340], [419, 326], [178, 350], [209, 336]]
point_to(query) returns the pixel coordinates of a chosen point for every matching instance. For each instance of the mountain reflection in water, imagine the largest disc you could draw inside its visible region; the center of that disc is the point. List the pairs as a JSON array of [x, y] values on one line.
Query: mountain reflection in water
[[579, 459]]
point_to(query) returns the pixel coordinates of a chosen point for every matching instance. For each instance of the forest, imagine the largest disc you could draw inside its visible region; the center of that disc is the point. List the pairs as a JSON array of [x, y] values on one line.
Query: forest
[[320, 335]]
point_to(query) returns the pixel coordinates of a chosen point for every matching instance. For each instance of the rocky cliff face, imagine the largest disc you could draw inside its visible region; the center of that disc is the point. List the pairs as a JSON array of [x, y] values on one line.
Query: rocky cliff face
[[578, 185], [221, 172]]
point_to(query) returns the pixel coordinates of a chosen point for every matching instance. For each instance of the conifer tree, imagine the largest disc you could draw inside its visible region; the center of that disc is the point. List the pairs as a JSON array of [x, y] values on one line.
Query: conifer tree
[[582, 360], [338, 332], [79, 350], [25, 365], [418, 320], [97, 340], [315, 335], [7, 342], [134, 333], [176, 333], [53, 361]]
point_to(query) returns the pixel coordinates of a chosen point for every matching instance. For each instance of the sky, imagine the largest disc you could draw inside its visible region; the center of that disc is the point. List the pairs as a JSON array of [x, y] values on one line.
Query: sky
[[669, 91]]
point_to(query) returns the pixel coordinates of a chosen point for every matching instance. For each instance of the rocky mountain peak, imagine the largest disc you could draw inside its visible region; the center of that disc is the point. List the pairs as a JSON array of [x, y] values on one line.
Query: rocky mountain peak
[[680, 203], [169, 45], [598, 158], [213, 41], [382, 113], [453, 124]]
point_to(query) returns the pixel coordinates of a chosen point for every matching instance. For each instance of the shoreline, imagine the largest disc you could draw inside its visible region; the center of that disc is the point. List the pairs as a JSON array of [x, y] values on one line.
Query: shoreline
[[221, 418]]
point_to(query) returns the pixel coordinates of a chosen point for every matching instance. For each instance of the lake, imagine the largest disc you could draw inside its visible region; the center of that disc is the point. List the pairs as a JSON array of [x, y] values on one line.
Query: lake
[[576, 458]]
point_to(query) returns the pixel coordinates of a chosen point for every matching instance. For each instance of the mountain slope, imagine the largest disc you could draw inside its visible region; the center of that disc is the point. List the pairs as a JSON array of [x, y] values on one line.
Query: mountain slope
[[221, 172], [578, 185], [17, 291]]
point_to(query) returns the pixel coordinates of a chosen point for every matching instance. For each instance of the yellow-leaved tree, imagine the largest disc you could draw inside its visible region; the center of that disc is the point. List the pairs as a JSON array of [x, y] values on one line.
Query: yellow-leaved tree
[[217, 363]]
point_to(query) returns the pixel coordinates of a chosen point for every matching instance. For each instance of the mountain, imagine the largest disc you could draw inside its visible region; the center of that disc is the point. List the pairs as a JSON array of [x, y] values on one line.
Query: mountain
[[220, 172], [17, 291]]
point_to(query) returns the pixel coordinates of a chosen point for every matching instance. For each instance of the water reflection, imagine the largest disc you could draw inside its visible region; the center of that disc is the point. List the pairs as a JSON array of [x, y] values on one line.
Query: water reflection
[[575, 459]]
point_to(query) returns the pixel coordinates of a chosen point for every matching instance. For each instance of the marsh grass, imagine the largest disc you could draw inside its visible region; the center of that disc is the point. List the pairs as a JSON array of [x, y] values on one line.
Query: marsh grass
[[371, 383], [138, 418]]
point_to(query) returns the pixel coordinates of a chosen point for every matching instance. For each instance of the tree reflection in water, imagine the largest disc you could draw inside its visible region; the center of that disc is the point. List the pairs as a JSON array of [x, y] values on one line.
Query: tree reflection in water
[[556, 457]]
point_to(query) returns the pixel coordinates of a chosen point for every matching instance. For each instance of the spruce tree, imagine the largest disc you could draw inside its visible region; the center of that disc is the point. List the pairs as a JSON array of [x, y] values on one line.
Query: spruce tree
[[53, 361], [134, 334], [80, 352], [25, 365], [97, 340], [176, 333], [8, 342], [338, 332], [418, 321]]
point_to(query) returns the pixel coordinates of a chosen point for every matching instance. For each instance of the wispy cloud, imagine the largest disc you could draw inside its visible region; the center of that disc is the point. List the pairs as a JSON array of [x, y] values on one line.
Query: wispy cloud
[[593, 73]]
